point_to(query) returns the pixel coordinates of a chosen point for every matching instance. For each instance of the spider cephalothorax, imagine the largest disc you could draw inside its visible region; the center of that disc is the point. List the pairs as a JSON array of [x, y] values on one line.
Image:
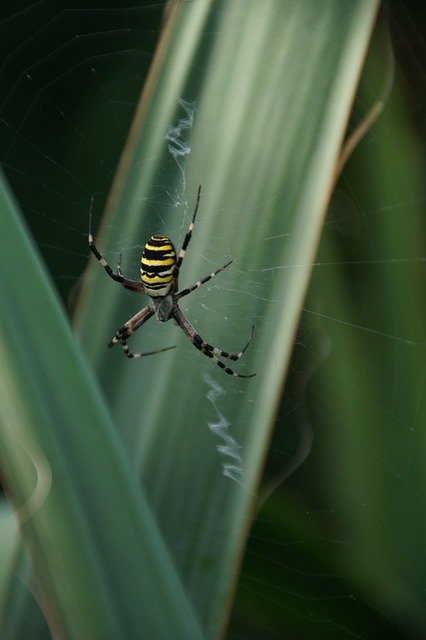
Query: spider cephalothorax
[[160, 280]]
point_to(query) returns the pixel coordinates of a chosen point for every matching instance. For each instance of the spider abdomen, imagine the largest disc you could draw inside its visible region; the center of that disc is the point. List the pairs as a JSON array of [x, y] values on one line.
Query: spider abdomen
[[157, 266]]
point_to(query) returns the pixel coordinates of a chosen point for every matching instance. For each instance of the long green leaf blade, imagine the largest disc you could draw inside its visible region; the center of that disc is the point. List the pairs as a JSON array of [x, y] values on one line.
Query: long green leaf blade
[[273, 84], [99, 561]]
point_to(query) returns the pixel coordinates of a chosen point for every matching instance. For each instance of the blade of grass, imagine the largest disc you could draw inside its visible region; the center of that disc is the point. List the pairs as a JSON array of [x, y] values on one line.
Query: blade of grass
[[19, 610], [273, 84], [99, 561]]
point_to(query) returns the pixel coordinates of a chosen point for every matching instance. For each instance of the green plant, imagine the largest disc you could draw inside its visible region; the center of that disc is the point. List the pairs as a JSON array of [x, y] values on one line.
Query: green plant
[[125, 509]]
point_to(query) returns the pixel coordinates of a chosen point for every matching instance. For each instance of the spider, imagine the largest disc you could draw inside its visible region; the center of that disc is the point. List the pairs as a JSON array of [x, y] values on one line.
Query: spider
[[160, 275]]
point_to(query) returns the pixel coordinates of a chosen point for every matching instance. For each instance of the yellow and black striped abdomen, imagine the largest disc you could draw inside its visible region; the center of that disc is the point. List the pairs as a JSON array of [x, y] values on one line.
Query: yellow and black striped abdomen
[[157, 265]]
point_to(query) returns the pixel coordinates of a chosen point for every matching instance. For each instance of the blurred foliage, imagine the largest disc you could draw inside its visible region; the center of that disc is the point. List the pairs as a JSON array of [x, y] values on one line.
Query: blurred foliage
[[337, 549]]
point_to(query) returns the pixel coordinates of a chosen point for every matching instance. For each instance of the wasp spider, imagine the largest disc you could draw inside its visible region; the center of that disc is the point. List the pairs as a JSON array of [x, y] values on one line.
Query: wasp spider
[[159, 280]]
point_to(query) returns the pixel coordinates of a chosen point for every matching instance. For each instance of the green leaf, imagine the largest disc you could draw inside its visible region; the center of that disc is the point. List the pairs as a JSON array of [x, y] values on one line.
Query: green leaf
[[272, 86], [99, 561]]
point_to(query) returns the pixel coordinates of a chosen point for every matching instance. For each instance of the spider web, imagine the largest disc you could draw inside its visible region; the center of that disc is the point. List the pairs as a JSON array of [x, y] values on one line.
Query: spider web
[[76, 72]]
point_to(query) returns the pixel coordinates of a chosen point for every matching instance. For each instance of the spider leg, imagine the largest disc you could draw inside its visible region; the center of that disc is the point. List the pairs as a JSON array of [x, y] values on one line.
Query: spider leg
[[197, 284], [132, 325], [208, 350], [187, 237], [133, 285], [130, 354]]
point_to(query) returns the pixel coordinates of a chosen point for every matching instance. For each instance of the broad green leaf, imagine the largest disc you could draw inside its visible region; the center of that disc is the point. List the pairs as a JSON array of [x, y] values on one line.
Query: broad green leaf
[[271, 85], [19, 610], [101, 568]]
